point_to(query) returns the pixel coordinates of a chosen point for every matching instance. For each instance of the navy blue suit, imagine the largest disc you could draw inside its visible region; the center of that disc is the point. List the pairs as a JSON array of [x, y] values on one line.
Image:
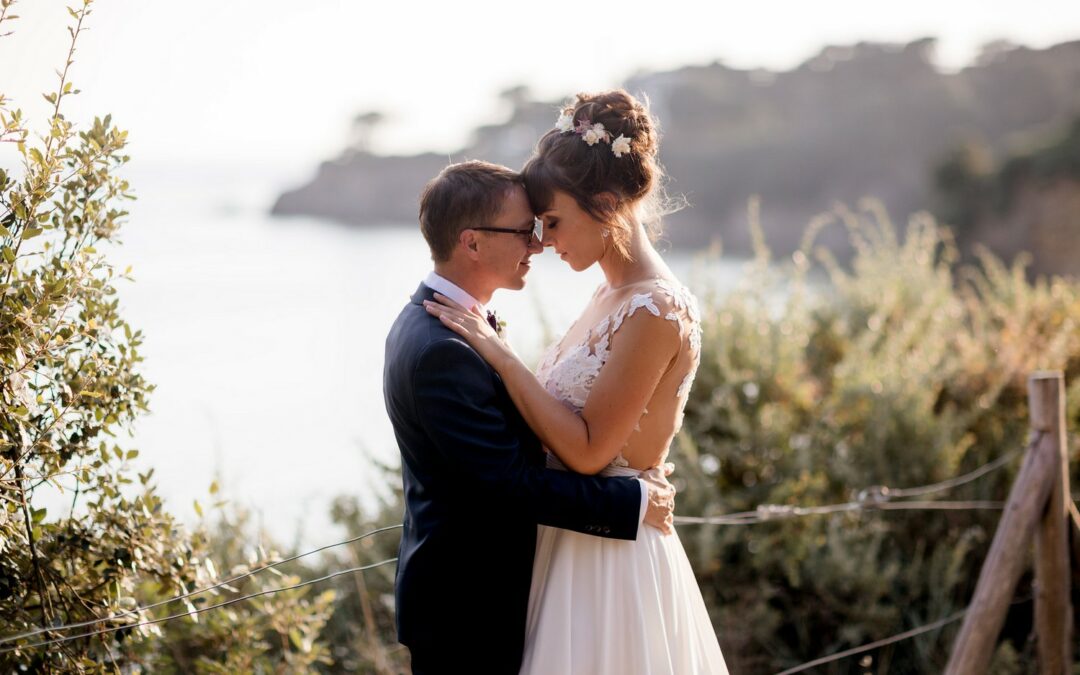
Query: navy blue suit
[[475, 488]]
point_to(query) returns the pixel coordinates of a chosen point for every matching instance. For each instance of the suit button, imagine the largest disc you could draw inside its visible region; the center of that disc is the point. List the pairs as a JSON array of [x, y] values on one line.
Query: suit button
[[607, 530]]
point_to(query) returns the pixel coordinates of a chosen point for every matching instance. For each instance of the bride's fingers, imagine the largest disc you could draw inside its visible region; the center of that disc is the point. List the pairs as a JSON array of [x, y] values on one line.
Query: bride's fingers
[[466, 324], [457, 324], [436, 309], [454, 325]]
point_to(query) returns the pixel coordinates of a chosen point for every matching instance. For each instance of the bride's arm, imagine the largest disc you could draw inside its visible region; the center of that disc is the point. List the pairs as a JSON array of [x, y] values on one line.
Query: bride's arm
[[640, 354]]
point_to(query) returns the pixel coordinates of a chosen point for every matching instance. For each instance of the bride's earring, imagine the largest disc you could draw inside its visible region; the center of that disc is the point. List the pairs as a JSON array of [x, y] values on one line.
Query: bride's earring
[[605, 239]]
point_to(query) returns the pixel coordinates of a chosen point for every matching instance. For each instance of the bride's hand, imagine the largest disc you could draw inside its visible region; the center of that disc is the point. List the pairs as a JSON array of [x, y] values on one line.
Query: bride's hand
[[469, 324]]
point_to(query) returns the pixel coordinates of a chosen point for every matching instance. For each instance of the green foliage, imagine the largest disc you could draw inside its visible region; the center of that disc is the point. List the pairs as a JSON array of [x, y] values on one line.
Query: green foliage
[[902, 370], [279, 632], [70, 386], [362, 628]]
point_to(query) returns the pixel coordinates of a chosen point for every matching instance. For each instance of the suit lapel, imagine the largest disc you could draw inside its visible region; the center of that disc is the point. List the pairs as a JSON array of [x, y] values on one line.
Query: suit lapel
[[425, 292]]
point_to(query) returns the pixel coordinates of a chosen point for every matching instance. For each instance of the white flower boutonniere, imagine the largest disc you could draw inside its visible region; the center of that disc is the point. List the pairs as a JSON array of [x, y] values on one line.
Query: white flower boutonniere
[[498, 325]]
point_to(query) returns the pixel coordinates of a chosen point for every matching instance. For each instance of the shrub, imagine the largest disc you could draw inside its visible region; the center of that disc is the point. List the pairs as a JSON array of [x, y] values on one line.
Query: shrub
[[817, 381], [69, 386]]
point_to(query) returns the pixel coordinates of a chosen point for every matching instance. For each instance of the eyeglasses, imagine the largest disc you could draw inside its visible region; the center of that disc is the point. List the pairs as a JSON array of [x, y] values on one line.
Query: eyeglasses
[[526, 233]]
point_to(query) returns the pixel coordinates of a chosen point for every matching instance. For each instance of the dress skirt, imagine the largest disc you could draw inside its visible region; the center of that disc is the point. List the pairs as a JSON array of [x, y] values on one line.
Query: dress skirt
[[602, 606]]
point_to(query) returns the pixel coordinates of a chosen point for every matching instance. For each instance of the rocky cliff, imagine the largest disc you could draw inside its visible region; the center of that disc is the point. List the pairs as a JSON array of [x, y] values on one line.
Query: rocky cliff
[[864, 120]]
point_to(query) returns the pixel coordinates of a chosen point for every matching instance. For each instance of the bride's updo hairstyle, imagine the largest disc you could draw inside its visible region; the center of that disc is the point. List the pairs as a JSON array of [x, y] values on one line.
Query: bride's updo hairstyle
[[565, 161]]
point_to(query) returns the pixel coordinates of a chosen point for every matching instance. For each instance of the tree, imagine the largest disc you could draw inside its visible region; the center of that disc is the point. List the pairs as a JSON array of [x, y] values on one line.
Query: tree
[[363, 127], [69, 386]]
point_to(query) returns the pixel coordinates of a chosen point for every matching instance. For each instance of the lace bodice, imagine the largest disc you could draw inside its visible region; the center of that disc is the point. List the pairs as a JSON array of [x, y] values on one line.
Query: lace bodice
[[568, 371]]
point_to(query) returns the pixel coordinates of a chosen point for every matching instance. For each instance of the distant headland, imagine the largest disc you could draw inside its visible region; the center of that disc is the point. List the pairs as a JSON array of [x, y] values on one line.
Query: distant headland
[[872, 119]]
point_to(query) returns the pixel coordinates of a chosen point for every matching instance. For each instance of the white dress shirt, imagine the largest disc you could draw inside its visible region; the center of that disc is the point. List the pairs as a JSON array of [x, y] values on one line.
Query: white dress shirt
[[451, 290], [459, 295]]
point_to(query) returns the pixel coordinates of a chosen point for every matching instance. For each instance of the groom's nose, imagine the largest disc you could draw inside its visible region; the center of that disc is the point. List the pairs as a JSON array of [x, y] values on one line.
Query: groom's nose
[[535, 246]]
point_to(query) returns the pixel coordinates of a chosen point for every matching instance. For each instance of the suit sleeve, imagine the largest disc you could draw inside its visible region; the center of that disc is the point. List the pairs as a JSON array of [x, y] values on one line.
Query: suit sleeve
[[457, 403]]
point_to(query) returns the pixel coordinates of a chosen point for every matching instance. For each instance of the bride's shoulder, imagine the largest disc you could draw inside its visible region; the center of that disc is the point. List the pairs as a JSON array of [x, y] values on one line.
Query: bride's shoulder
[[663, 297]]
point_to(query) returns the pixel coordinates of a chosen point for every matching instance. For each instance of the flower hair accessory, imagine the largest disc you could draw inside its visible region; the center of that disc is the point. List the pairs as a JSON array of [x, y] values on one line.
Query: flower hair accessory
[[592, 133], [621, 146]]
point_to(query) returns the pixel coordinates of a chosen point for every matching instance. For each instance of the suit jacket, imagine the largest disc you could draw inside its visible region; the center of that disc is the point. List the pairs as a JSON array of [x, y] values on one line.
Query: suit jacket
[[475, 487]]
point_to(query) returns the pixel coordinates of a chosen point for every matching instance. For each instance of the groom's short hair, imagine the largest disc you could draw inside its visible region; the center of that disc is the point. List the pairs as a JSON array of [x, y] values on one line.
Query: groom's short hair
[[469, 194]]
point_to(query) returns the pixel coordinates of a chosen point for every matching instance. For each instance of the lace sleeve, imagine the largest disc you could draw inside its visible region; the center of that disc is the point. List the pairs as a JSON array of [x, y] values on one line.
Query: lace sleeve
[[568, 373]]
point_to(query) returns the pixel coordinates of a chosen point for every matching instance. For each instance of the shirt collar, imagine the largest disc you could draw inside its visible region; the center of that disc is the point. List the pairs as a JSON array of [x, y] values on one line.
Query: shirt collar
[[451, 290]]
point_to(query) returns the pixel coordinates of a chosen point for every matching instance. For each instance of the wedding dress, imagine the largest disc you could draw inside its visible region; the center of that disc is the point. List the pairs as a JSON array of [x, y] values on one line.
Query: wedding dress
[[601, 606]]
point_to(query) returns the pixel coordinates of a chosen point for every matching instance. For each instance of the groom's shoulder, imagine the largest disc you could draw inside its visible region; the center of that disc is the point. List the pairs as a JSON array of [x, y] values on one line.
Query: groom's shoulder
[[419, 336]]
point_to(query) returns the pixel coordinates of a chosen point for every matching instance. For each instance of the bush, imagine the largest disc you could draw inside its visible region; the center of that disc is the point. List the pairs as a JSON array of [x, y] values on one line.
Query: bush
[[69, 385], [817, 382]]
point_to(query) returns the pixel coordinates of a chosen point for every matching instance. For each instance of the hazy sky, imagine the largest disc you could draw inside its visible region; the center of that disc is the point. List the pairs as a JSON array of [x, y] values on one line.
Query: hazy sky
[[278, 82]]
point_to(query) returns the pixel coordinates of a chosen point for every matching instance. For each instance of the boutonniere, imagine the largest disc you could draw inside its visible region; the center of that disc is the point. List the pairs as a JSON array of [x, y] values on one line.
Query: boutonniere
[[497, 324]]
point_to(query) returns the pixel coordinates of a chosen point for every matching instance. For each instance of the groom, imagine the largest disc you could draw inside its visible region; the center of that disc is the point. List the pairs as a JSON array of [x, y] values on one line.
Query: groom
[[473, 473]]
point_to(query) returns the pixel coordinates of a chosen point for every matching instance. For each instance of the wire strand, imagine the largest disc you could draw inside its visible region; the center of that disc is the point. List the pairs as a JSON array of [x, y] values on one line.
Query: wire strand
[[199, 610], [886, 641], [875, 497], [782, 512], [959, 480], [130, 612], [874, 645], [878, 500]]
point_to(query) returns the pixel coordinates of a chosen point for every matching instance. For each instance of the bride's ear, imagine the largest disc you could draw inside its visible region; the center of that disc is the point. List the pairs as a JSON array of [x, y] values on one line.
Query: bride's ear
[[607, 201]]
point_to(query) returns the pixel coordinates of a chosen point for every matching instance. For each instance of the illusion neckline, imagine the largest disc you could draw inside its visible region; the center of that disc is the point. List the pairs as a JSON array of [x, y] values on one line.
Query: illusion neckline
[[632, 283]]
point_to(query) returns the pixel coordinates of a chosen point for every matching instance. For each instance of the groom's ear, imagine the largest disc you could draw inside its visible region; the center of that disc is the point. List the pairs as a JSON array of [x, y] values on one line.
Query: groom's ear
[[470, 243]]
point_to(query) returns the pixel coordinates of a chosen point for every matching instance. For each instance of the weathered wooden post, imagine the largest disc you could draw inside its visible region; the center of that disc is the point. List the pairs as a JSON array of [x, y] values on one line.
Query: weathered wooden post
[[1008, 556], [1053, 611]]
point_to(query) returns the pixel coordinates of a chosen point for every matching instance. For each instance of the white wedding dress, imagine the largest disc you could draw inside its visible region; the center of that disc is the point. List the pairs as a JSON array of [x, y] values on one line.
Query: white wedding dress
[[602, 606]]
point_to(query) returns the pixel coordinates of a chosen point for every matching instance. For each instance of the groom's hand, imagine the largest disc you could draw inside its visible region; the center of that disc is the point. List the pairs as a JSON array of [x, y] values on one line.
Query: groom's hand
[[659, 512]]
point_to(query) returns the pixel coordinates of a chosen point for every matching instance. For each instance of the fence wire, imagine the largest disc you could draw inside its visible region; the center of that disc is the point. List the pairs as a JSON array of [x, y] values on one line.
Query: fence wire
[[138, 610], [872, 498], [899, 637], [197, 610]]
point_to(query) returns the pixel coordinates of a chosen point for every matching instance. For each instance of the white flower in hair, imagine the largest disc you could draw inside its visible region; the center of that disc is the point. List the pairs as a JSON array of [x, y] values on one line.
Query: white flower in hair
[[621, 146], [594, 134], [566, 122]]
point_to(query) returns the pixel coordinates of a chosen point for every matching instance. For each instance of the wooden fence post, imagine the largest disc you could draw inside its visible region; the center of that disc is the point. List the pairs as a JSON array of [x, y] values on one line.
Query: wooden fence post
[[1053, 611], [1007, 559]]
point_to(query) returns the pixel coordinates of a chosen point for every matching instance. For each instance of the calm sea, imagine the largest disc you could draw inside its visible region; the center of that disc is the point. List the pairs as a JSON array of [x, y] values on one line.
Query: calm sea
[[265, 336]]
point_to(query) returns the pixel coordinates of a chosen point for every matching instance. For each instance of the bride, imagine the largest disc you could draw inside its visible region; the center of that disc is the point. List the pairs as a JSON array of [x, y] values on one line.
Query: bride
[[607, 398]]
